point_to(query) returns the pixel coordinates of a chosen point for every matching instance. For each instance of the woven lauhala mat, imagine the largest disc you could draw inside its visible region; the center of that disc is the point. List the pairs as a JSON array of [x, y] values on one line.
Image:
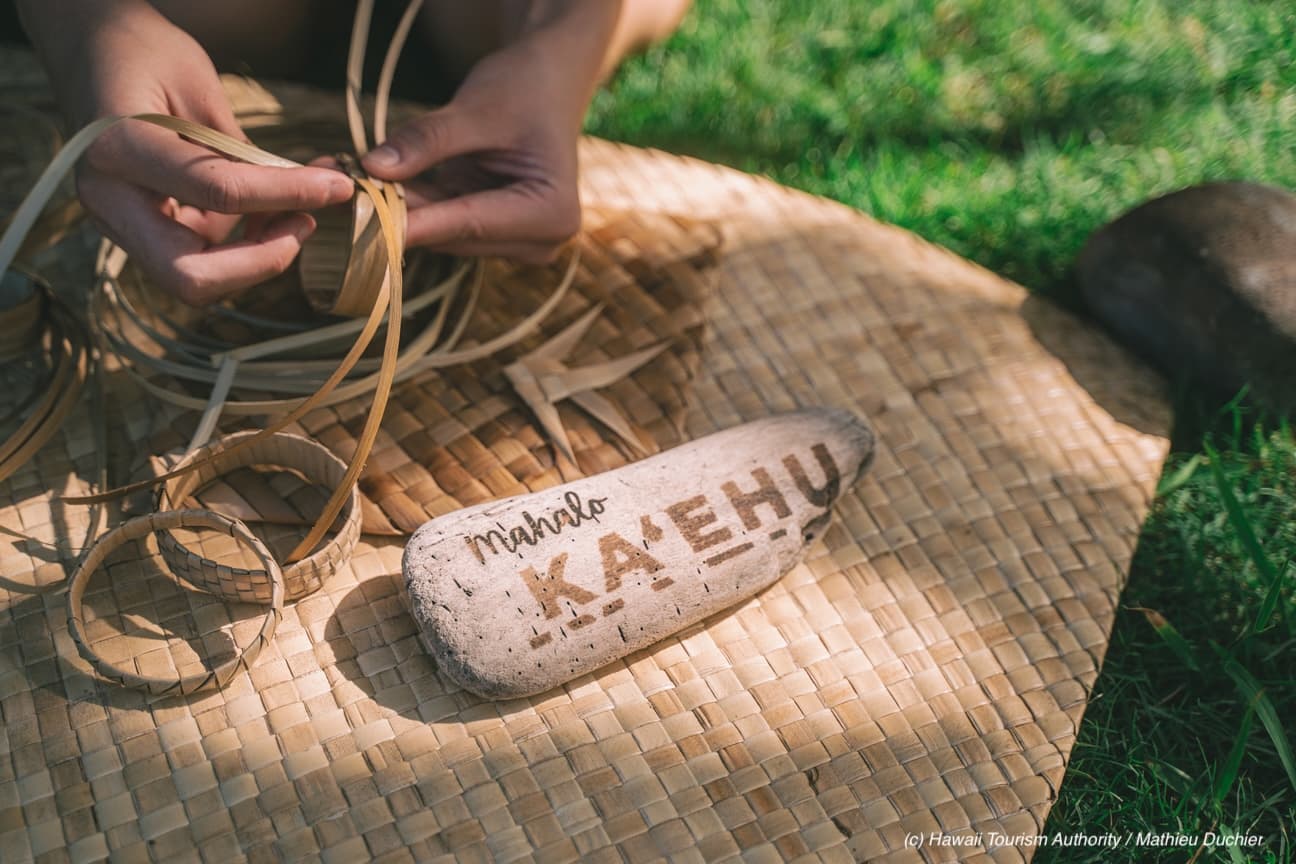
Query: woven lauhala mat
[[924, 670]]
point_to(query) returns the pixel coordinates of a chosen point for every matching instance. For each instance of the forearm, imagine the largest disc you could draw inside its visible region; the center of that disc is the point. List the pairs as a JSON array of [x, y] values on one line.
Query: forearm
[[58, 29], [614, 28], [572, 39], [63, 33]]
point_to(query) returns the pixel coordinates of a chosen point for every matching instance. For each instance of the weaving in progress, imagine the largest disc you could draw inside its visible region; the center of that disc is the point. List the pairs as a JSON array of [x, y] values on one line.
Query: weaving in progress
[[748, 528]]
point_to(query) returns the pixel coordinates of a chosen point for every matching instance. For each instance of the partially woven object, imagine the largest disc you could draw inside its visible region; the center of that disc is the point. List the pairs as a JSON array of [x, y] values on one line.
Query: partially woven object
[[205, 568], [923, 671], [164, 663]]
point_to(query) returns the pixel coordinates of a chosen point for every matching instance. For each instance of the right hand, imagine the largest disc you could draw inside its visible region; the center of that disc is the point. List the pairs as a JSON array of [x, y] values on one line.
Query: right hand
[[169, 203]]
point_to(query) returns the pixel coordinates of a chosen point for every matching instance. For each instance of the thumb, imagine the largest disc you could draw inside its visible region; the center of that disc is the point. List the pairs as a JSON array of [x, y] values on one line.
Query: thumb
[[422, 143]]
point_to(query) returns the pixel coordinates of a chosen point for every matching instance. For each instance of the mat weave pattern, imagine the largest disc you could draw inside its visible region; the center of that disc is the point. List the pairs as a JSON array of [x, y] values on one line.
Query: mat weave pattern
[[924, 670]]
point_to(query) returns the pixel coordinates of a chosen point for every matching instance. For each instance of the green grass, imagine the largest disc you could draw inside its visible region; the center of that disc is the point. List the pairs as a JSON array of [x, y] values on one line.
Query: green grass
[[1159, 747], [1004, 129], [1008, 130]]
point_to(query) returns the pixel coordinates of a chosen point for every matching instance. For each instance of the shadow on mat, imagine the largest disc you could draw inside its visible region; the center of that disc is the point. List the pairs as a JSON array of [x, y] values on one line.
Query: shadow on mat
[[373, 636], [1088, 354], [147, 613], [375, 642]]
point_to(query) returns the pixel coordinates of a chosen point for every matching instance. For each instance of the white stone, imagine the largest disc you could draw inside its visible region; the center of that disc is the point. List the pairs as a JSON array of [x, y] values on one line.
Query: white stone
[[515, 597]]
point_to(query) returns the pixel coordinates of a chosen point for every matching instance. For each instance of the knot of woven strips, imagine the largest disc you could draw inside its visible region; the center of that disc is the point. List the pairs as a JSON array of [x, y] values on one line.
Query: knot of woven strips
[[343, 265]]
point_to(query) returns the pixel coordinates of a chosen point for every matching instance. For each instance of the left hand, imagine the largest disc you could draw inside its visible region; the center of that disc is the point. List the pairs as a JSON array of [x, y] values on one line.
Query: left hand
[[503, 150]]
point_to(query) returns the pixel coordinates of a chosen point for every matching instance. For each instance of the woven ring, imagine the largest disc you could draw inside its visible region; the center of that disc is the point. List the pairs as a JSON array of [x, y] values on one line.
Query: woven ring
[[142, 527], [315, 462]]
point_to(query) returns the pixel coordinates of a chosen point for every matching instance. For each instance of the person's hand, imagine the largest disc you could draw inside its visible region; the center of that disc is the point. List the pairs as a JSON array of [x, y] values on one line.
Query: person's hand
[[502, 153], [169, 203]]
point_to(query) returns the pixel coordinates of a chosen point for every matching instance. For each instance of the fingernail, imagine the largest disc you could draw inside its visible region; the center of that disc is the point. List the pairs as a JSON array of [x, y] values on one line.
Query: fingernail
[[383, 157], [341, 187], [304, 228]]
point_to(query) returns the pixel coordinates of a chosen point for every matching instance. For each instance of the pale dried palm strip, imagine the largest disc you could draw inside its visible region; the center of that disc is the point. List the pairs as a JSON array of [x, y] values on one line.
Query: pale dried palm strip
[[97, 519], [563, 342], [384, 200], [60, 396], [574, 379], [200, 364], [48, 416], [53, 224], [505, 340], [353, 389], [354, 73], [275, 376], [257, 321], [388, 72], [366, 253], [470, 306], [215, 402], [133, 357], [527, 387], [602, 409], [141, 528], [300, 409]]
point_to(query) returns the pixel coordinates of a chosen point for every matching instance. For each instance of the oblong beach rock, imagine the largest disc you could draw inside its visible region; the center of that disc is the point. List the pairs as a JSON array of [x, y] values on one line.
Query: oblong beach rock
[[1202, 282], [518, 596]]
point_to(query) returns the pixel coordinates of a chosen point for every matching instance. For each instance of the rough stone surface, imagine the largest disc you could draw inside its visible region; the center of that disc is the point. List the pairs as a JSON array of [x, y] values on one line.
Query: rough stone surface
[[515, 597], [1202, 282]]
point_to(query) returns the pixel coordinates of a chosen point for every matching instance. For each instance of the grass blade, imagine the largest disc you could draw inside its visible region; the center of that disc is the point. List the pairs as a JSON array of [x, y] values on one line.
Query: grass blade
[[1235, 854], [1172, 776], [1169, 635], [1180, 477], [1228, 772], [1270, 602], [1264, 709], [1241, 523]]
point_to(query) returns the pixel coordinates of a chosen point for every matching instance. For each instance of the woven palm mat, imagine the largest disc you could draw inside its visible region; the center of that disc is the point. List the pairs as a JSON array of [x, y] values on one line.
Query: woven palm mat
[[924, 670]]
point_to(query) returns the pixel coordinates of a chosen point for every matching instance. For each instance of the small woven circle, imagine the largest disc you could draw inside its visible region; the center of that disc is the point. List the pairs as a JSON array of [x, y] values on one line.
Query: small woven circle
[[282, 450], [155, 523], [342, 264]]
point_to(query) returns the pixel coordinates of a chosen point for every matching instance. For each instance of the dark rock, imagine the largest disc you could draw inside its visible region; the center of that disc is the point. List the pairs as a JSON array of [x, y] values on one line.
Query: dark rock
[[1202, 283]]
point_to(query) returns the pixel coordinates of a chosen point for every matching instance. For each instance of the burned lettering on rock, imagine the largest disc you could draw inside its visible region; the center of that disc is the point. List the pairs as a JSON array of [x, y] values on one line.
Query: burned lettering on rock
[[766, 492], [533, 529], [698, 528], [693, 531], [620, 557], [548, 588], [822, 496], [691, 524]]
